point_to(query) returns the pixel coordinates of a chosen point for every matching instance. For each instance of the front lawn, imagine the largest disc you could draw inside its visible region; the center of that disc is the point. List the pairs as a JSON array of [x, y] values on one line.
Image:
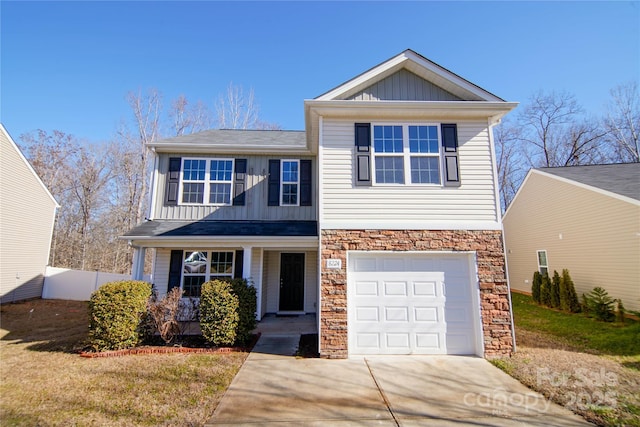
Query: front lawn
[[590, 367], [44, 382]]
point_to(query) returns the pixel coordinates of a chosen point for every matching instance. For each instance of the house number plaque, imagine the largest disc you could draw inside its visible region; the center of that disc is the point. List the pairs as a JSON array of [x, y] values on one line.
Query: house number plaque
[[334, 263]]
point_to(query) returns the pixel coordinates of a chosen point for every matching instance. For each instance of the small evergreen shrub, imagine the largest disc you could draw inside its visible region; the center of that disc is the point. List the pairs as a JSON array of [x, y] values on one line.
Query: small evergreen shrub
[[555, 290], [116, 314], [600, 304], [247, 306], [219, 312], [545, 290], [620, 312], [535, 287], [568, 296]]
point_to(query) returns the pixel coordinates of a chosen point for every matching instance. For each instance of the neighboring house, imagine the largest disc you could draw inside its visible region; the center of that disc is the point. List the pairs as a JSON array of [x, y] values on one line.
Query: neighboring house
[[582, 218], [27, 215], [382, 217]]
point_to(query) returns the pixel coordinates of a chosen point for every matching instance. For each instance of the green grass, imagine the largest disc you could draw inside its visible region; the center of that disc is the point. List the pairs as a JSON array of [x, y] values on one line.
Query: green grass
[[580, 331]]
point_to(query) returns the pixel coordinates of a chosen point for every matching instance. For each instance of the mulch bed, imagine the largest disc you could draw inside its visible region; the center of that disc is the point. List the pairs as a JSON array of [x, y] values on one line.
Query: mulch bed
[[152, 349]]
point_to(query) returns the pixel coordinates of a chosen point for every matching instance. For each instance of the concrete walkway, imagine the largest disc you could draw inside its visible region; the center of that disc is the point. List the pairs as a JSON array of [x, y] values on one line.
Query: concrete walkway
[[274, 388]]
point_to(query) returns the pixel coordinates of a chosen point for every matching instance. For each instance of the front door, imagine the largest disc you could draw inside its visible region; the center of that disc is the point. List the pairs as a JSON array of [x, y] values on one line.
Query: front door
[[291, 282]]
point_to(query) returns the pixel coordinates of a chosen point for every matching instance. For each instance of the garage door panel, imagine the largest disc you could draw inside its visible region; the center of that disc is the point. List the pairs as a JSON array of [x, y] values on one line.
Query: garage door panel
[[397, 307]]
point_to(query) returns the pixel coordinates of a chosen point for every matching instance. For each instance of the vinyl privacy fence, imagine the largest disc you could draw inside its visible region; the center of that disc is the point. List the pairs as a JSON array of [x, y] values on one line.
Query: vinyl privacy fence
[[63, 283]]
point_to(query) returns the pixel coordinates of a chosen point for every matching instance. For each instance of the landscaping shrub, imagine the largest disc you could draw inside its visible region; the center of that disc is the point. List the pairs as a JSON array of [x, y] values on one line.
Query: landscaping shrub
[[164, 314], [620, 312], [545, 290], [535, 287], [568, 296], [219, 312], [247, 306], [116, 312], [555, 290], [600, 304]]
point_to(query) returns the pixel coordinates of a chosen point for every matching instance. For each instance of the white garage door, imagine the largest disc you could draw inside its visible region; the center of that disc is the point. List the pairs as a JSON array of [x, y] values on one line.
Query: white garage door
[[412, 304]]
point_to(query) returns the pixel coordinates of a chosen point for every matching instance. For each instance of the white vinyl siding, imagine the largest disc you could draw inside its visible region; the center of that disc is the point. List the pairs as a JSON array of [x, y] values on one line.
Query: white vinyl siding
[[593, 235], [344, 203], [27, 214]]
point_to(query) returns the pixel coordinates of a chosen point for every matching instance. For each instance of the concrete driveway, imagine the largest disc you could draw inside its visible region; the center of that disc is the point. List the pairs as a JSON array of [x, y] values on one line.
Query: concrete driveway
[[275, 389]]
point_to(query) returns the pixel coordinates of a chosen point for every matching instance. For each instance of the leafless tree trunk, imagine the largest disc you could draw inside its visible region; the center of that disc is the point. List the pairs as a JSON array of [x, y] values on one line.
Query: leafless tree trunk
[[186, 118], [509, 161], [623, 122], [239, 110]]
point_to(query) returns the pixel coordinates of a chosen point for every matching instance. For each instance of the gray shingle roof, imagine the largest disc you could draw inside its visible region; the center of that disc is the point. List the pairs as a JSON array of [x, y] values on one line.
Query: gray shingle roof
[[237, 137], [622, 179], [160, 228]]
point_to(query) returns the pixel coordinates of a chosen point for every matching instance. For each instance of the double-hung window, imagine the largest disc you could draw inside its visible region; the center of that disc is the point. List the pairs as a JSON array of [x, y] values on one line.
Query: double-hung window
[[290, 183], [206, 181], [543, 265], [201, 266], [406, 154]]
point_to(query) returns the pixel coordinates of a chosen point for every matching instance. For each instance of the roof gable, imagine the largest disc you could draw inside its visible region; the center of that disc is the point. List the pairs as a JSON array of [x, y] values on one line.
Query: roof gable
[[621, 179], [418, 65]]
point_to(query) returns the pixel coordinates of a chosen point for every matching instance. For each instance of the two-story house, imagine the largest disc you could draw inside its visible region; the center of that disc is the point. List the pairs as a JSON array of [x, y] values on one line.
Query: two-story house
[[382, 218]]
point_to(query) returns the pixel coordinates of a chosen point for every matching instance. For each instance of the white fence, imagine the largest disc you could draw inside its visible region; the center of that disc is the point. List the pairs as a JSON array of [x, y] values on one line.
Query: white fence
[[63, 283]]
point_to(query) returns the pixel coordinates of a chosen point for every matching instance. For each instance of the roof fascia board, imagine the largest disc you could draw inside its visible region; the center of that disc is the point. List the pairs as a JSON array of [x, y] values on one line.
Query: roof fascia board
[[432, 72], [24, 159], [201, 148], [475, 109], [220, 241], [588, 187]]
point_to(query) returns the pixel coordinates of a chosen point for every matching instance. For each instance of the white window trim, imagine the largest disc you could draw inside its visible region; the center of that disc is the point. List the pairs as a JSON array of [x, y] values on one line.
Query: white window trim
[[207, 274], [207, 181], [282, 183], [406, 155], [546, 257]]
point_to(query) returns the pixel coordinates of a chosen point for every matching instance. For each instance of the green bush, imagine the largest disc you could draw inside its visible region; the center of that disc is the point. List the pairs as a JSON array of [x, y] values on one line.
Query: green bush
[[535, 287], [219, 312], [545, 290], [600, 304], [555, 290], [116, 312], [568, 296], [247, 306], [620, 312]]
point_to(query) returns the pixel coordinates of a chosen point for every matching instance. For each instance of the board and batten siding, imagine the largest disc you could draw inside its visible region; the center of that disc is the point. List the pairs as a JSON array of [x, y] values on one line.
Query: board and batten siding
[[595, 236], [27, 214], [256, 194], [406, 86], [343, 202]]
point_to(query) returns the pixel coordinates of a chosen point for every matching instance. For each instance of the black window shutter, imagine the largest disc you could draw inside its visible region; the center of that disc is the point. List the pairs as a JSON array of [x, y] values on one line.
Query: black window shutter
[[450, 148], [175, 269], [363, 154], [238, 268], [305, 183], [173, 181], [239, 184], [274, 183]]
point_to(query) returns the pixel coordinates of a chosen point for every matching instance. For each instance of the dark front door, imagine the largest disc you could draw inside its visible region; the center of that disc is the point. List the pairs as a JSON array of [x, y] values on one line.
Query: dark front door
[[291, 282]]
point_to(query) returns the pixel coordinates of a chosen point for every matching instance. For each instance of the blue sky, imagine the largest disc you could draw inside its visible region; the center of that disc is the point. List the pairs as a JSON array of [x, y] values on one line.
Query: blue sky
[[69, 65]]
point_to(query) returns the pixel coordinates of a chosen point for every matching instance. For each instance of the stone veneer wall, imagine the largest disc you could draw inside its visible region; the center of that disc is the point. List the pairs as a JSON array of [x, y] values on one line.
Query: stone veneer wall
[[494, 295]]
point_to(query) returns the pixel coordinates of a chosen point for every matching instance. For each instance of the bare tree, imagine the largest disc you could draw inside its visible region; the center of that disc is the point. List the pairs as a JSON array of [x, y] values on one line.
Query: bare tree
[[239, 110], [623, 122], [187, 118], [509, 161], [555, 135]]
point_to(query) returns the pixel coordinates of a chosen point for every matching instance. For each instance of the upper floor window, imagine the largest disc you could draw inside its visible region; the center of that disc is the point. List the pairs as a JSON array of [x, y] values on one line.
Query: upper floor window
[[206, 181], [406, 154], [290, 182]]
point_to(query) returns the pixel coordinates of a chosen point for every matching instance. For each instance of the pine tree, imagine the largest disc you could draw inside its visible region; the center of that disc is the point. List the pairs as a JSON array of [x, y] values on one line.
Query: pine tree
[[545, 290], [555, 290], [568, 296], [535, 287]]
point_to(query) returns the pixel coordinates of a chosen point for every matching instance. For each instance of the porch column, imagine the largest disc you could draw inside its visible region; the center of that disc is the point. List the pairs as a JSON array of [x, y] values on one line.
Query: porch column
[[257, 281], [137, 269], [246, 262]]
